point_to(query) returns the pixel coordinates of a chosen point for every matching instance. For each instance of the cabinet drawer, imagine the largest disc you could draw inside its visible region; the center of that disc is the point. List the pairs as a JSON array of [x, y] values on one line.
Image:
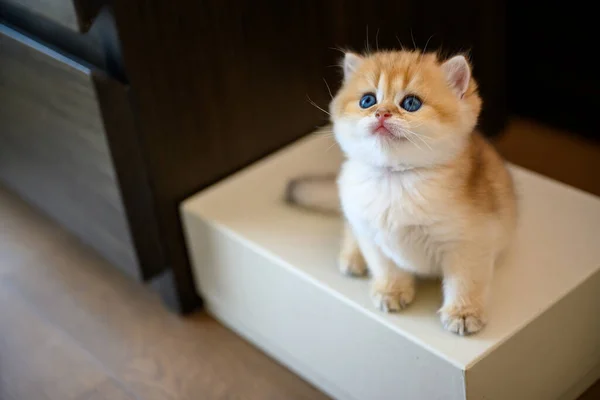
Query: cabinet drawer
[[73, 14], [54, 149]]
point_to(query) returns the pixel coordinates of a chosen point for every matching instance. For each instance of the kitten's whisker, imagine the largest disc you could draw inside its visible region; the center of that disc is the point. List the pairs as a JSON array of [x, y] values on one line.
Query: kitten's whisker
[[420, 148], [410, 140], [315, 105], [426, 43], [407, 133], [328, 88], [424, 142], [324, 129], [400, 43], [367, 41], [330, 147], [413, 39], [377, 40], [415, 133], [326, 134], [419, 65], [411, 126], [422, 138]]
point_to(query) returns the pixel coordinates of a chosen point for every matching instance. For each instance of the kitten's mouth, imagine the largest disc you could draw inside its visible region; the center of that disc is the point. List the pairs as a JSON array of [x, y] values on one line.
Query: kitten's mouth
[[384, 131]]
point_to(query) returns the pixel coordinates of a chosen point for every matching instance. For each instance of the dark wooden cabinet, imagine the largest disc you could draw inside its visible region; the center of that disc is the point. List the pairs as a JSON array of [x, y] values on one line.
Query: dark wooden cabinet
[[215, 85], [69, 146], [69, 137], [76, 15], [53, 146]]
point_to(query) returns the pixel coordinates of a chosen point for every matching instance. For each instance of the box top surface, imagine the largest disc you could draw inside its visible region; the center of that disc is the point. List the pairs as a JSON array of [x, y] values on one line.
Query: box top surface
[[557, 246]]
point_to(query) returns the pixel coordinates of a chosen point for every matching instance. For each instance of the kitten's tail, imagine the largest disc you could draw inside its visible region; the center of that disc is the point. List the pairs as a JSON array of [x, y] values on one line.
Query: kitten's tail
[[315, 193]]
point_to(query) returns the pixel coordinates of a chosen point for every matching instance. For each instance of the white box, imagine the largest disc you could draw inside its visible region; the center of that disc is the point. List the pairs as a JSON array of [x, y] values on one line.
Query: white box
[[269, 272]]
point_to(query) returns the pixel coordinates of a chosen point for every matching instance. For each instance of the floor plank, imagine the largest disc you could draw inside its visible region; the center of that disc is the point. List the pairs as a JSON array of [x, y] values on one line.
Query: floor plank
[[156, 354], [107, 390], [37, 361]]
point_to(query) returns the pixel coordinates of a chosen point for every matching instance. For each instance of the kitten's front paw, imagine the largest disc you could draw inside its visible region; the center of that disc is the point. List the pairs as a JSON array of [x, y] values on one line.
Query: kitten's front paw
[[462, 320], [392, 296], [352, 264]]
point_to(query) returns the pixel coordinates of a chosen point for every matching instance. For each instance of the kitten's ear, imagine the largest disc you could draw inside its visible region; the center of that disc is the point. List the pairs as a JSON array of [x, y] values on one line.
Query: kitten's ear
[[351, 63], [458, 74]]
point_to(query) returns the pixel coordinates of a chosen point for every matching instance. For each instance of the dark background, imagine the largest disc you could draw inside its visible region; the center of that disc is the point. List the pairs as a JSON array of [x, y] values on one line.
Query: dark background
[[552, 65]]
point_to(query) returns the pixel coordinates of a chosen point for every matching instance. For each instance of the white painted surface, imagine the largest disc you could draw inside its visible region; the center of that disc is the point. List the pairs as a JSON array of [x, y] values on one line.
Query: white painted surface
[[269, 272]]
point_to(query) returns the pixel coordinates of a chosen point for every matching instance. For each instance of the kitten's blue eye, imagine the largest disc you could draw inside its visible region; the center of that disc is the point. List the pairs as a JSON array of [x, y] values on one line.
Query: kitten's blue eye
[[411, 103], [368, 100]]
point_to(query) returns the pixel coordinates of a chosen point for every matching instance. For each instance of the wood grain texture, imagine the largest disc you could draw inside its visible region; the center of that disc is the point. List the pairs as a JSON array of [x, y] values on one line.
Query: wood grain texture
[[107, 390], [146, 351], [76, 15], [37, 361], [220, 84], [53, 148]]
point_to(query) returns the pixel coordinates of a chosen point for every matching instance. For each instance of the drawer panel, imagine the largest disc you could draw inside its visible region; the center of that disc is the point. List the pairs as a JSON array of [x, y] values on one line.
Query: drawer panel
[[76, 15], [54, 150]]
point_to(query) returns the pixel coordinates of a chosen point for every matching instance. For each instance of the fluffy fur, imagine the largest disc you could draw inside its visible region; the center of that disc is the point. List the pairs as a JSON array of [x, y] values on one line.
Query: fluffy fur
[[425, 195]]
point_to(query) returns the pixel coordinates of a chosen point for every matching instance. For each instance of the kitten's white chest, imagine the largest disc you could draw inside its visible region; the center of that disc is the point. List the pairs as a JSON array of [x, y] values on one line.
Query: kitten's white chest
[[391, 209]]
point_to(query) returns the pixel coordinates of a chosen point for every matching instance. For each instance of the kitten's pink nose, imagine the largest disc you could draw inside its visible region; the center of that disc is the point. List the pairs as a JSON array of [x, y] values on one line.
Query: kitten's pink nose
[[382, 114]]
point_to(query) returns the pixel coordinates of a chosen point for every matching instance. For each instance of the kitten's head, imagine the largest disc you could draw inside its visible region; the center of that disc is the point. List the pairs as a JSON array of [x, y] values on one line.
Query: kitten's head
[[403, 109]]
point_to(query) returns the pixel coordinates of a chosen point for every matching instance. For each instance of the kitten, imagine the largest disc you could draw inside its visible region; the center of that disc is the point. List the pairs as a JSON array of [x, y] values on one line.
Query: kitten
[[423, 193]]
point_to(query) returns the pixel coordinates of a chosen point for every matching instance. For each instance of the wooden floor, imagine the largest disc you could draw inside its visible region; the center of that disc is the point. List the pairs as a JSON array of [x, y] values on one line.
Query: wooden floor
[[73, 328], [568, 159]]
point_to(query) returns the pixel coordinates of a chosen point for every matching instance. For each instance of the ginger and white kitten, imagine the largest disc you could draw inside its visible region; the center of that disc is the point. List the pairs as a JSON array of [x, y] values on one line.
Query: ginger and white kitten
[[423, 194]]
